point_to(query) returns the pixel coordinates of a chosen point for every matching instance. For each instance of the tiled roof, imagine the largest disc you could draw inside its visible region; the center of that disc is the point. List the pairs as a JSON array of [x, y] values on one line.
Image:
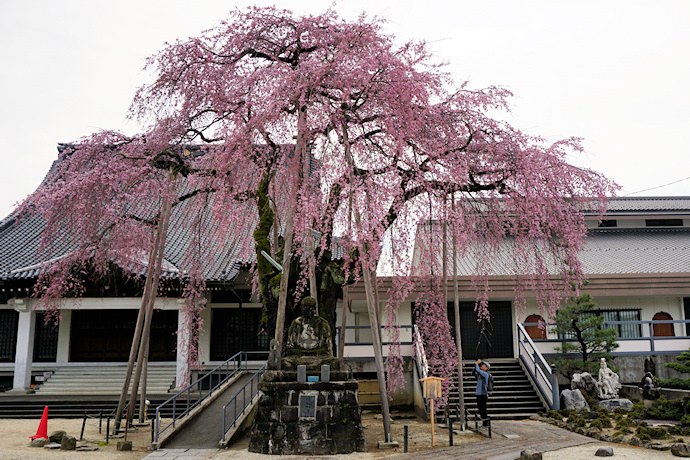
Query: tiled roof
[[20, 241], [232, 248], [637, 251], [670, 204], [606, 252]]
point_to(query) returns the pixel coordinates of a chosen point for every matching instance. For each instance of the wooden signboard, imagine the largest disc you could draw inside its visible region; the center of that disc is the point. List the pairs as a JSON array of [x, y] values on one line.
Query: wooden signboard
[[432, 389]]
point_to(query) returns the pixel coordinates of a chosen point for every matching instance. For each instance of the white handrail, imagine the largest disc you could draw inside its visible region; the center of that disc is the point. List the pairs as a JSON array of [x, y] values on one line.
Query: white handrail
[[538, 369], [420, 353]]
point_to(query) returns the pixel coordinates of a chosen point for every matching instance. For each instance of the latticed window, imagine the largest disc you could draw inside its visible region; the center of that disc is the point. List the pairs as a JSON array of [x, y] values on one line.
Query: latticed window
[[9, 320], [622, 330]]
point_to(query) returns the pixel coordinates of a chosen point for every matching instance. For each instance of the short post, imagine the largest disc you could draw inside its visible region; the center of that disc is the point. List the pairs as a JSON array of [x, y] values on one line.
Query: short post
[[432, 390], [405, 428], [153, 432], [555, 391], [107, 430], [450, 432], [83, 424], [100, 422]]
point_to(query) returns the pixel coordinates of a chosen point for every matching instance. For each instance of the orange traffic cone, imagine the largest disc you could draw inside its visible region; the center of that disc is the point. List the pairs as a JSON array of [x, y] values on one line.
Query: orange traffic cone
[[42, 431]]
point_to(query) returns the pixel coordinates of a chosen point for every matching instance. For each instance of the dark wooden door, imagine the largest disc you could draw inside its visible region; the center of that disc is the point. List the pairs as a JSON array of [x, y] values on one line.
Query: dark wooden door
[[486, 339], [236, 329], [106, 335]]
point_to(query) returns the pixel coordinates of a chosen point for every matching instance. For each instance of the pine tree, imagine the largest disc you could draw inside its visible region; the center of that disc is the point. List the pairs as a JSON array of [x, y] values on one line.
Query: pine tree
[[578, 320]]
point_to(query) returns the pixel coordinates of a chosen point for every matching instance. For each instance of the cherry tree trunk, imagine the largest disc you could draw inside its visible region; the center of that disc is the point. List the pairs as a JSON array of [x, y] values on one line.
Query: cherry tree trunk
[[458, 338]]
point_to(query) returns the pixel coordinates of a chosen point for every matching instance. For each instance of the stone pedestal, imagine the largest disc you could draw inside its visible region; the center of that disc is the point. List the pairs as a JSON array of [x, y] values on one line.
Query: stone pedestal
[[315, 418]]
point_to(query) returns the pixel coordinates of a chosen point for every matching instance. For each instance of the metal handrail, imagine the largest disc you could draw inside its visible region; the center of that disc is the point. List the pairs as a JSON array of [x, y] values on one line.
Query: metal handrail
[[192, 401], [252, 392]]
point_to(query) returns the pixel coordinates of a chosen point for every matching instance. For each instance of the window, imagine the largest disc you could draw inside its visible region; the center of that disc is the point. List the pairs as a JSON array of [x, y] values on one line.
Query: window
[[664, 222], [623, 330]]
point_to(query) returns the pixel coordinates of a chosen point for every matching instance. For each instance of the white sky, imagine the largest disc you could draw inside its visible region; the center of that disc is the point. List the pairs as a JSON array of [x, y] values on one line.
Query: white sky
[[613, 72]]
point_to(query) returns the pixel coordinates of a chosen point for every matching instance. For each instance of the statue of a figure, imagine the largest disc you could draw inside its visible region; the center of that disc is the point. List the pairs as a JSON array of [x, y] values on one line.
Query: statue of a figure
[[309, 333], [609, 382], [309, 340], [648, 387]]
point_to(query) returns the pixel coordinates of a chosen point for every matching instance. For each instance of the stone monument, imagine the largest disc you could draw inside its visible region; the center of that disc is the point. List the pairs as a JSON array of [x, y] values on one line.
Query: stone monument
[[307, 404]]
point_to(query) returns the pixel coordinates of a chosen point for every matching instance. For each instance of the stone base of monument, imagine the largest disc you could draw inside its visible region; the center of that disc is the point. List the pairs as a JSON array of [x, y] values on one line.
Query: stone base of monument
[[316, 418]]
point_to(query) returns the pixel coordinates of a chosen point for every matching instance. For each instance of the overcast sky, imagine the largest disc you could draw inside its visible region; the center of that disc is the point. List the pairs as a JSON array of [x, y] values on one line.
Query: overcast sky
[[615, 73]]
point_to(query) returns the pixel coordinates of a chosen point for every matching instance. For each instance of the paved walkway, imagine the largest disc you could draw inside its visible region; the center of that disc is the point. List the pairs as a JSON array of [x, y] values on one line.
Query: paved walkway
[[206, 430], [509, 439]]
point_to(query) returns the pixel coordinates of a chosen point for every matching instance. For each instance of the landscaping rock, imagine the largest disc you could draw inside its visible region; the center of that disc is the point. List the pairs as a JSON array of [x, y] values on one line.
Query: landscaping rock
[[593, 432], [613, 404], [124, 445], [52, 445], [604, 452], [87, 449], [680, 450], [39, 442], [530, 455], [573, 399], [635, 441], [56, 436], [68, 443]]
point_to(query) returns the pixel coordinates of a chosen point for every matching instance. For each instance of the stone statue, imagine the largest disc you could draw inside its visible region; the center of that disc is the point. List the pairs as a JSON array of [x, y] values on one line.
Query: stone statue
[[648, 387], [609, 383], [273, 355], [309, 333], [309, 339]]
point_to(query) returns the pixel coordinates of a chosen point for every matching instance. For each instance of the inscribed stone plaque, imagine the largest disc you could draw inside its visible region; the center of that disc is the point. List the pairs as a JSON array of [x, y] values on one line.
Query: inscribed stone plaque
[[307, 406]]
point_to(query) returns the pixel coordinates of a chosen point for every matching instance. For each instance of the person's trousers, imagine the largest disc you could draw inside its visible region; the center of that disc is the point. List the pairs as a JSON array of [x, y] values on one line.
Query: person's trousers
[[481, 406]]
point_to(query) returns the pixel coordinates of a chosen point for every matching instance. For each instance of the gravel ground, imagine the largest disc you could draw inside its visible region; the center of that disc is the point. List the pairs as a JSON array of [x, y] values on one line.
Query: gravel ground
[[14, 443], [620, 452]]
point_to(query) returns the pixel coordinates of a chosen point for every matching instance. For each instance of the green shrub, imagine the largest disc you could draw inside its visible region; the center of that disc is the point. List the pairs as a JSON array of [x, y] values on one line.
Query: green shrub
[[555, 415], [645, 437], [606, 422], [597, 423], [663, 409], [658, 433], [680, 384], [576, 420], [685, 420]]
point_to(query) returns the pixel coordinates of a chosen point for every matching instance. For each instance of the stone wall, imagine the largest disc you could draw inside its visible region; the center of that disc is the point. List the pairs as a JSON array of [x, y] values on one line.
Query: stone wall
[[336, 428]]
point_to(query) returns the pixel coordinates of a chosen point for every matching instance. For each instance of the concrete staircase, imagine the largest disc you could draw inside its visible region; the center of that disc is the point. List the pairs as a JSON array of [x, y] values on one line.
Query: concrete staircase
[[513, 396], [104, 379]]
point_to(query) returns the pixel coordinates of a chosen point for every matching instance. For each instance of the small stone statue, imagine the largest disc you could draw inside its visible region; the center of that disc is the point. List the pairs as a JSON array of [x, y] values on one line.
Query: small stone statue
[[648, 387], [609, 383], [273, 355]]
